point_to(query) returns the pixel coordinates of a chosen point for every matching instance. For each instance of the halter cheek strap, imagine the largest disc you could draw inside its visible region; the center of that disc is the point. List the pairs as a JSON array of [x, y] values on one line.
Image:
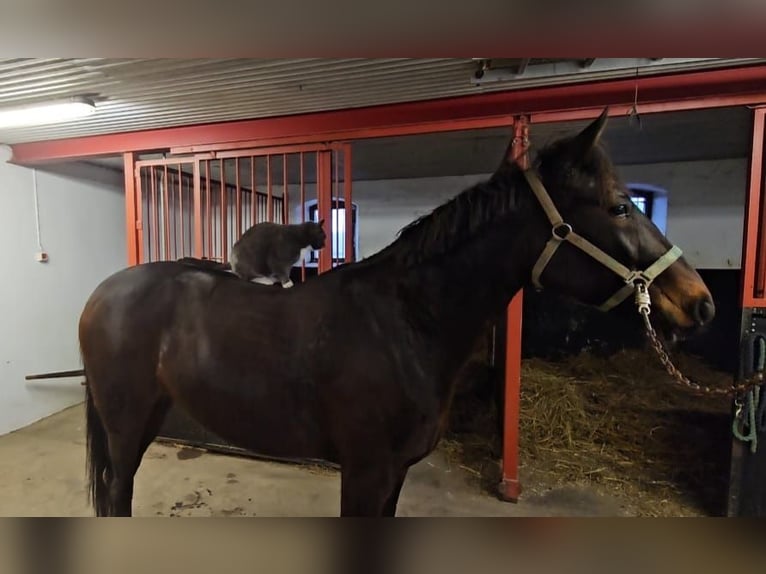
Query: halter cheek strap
[[562, 232]]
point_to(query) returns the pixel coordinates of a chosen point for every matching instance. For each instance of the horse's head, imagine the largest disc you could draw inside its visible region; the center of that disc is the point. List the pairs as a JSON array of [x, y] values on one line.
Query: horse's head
[[587, 194]]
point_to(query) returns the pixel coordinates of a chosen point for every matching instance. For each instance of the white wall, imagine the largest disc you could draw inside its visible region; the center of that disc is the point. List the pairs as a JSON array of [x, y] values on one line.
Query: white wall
[[706, 207], [82, 222], [706, 202], [385, 206]]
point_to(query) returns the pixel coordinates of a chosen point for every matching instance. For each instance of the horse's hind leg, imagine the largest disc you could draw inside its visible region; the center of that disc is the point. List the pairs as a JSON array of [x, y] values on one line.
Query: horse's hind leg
[[126, 449]]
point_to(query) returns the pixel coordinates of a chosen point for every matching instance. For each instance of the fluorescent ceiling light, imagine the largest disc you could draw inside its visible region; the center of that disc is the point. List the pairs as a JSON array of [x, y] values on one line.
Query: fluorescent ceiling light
[[49, 113]]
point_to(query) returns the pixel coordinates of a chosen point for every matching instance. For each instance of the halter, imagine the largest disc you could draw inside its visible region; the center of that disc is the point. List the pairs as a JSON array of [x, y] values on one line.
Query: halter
[[635, 281]]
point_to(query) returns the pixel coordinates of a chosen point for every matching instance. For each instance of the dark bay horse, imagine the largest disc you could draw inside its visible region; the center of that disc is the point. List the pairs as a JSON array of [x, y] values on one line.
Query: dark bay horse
[[358, 366]]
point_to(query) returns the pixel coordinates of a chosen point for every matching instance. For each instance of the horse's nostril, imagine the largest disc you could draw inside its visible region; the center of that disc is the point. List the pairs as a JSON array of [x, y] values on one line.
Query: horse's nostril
[[704, 311]]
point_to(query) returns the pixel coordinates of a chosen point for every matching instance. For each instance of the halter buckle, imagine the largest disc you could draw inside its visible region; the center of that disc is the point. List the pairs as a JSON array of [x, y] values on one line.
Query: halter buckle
[[561, 231]]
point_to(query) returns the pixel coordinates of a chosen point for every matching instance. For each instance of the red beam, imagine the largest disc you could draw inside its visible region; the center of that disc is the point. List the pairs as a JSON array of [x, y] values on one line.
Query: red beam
[[510, 485], [363, 122], [131, 208], [753, 248]]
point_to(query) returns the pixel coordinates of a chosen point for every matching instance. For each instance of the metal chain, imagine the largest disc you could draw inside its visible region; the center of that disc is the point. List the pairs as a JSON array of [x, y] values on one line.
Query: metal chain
[[735, 391]]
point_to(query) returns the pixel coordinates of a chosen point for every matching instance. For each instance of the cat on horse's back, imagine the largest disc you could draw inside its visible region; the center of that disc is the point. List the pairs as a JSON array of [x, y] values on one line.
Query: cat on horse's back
[[267, 251]]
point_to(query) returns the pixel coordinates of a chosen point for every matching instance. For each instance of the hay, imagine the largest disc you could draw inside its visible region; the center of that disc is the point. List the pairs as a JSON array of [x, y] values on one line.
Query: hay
[[616, 424]]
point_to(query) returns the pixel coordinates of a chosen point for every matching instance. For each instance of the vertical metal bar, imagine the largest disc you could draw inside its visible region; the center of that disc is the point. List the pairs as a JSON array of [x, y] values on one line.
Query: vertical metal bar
[[156, 217], [197, 206], [132, 207], [334, 208], [209, 214], [510, 487], [238, 200], [303, 213], [269, 198], [760, 270], [754, 231], [348, 201], [324, 200], [253, 193], [181, 209], [224, 214], [285, 197], [166, 212]]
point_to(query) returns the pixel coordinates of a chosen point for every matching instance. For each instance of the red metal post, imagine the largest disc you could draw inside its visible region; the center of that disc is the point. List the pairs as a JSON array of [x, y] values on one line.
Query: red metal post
[[324, 198], [510, 486], [754, 241], [132, 223]]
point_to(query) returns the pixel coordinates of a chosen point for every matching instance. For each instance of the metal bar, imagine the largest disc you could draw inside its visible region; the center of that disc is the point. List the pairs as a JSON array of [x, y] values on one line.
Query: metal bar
[[209, 214], [510, 486], [56, 375], [334, 205], [303, 213], [348, 200], [132, 224], [224, 214], [285, 193], [363, 122], [269, 196], [754, 250], [291, 142], [324, 191], [166, 212], [238, 199], [173, 160], [241, 149], [181, 210], [522, 67], [197, 207], [141, 226], [156, 215], [253, 193]]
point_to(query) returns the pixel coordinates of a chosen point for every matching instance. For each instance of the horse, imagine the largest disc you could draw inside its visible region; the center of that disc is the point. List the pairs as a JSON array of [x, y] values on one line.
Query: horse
[[358, 366]]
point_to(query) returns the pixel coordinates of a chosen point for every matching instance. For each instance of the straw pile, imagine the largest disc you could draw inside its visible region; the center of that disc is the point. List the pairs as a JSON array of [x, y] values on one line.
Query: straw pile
[[616, 424]]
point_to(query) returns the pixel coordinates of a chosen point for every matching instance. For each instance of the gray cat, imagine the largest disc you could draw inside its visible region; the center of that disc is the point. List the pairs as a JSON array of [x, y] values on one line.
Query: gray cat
[[267, 251]]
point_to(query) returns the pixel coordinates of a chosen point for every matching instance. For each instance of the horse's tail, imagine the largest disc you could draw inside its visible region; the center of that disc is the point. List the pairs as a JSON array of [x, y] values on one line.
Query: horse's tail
[[99, 467]]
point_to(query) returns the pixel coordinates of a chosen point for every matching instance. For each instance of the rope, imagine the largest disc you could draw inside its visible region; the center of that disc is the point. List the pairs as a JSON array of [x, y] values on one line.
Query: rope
[[750, 421], [751, 435]]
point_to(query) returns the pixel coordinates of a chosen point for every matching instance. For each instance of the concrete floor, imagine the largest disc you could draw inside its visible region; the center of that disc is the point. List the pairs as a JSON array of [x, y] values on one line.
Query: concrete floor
[[42, 473]]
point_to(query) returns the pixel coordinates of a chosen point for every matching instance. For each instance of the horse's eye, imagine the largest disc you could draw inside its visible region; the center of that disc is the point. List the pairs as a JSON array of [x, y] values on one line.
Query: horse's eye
[[621, 210]]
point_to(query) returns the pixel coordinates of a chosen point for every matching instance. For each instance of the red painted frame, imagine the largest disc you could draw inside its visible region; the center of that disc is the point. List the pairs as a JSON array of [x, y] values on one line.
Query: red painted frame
[[690, 90], [663, 93], [753, 292], [509, 488]]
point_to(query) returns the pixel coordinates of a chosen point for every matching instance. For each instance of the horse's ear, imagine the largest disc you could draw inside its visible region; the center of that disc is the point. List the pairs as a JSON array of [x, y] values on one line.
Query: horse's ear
[[321, 223], [589, 137]]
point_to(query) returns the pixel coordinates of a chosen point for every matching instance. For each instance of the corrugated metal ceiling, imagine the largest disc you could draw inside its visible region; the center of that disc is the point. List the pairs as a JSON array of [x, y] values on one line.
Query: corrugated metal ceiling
[[133, 94]]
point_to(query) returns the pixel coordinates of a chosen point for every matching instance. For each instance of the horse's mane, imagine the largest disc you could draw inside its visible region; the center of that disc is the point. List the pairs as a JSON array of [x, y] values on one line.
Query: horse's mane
[[457, 220]]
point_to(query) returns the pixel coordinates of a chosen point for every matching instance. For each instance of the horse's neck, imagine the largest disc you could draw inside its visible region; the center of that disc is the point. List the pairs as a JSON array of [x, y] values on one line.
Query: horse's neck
[[465, 289]]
